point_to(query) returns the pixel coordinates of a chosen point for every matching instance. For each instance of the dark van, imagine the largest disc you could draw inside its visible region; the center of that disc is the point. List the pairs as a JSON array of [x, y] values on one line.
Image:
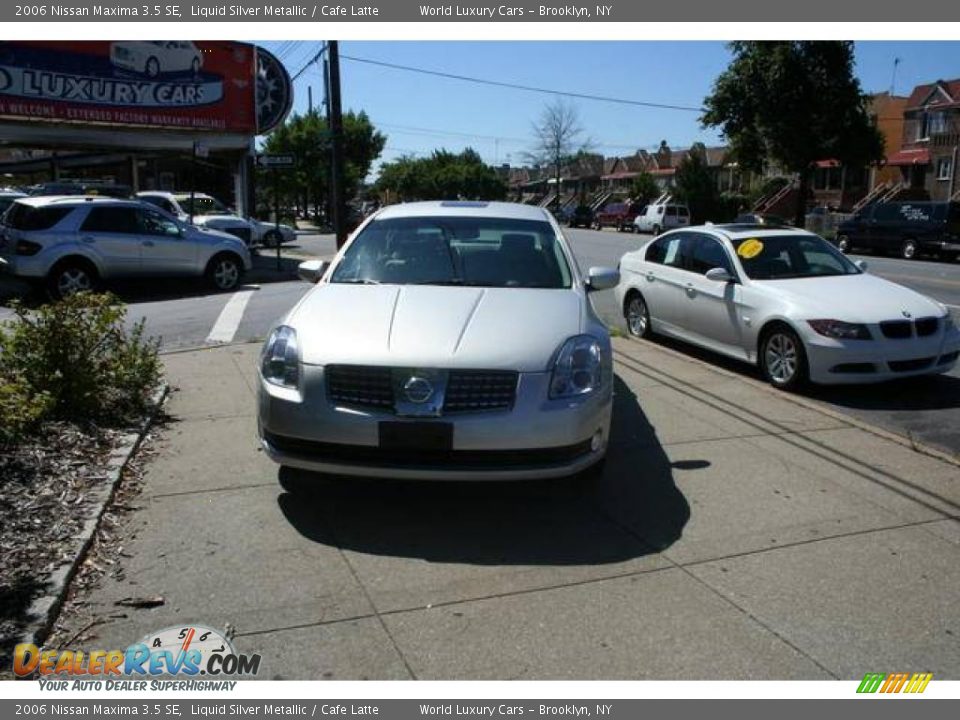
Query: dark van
[[905, 228]]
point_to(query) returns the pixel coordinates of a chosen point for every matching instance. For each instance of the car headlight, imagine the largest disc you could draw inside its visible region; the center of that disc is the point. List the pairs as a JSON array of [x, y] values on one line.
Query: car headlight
[[280, 359], [840, 330], [577, 370]]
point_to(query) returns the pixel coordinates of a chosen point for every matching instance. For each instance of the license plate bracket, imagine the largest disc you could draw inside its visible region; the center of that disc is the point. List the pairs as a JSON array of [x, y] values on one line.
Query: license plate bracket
[[433, 436]]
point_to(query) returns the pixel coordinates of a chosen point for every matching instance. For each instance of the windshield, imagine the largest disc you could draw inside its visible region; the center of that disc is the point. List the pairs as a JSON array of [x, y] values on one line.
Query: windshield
[[476, 251], [780, 257], [203, 206]]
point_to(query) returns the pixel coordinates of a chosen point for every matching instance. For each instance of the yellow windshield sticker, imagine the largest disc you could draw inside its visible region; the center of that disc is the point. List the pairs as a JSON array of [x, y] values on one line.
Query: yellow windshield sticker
[[750, 248]]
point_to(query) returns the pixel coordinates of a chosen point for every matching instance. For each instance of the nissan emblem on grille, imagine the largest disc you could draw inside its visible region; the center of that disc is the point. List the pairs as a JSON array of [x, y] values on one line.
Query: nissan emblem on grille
[[417, 389], [419, 392]]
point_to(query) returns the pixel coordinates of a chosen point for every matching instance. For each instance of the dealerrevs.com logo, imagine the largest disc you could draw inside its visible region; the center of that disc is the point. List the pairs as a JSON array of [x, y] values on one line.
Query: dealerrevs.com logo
[[183, 652], [888, 683]]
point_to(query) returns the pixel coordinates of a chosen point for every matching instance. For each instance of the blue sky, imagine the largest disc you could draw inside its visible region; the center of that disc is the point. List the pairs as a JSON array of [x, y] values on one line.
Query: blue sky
[[420, 113]]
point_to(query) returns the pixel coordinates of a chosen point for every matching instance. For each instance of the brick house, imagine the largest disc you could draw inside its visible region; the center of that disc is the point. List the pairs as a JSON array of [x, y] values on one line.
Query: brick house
[[927, 158]]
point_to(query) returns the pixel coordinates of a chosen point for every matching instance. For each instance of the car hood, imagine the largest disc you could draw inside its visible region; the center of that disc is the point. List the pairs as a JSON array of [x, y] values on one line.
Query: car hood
[[429, 326], [863, 298], [220, 220]]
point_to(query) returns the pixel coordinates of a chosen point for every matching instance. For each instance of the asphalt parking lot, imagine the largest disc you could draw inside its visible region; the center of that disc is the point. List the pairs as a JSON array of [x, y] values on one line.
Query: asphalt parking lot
[[735, 534]]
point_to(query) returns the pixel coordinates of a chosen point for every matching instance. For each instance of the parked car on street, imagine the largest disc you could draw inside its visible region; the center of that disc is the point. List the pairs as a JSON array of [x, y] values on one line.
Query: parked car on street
[[618, 215], [6, 200], [580, 216], [907, 229], [448, 340], [787, 301], [211, 213], [657, 218], [72, 244]]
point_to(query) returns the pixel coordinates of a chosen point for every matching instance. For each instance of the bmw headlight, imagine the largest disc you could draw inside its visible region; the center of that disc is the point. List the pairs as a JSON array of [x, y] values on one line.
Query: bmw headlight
[[280, 359], [840, 330], [577, 370]]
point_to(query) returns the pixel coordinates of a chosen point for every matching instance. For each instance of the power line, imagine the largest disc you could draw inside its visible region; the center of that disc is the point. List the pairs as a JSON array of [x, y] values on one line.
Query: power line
[[528, 88], [311, 61]]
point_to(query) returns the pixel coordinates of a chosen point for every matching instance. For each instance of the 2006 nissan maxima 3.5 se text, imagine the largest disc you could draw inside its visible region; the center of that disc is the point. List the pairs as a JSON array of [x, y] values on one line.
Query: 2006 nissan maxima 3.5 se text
[[448, 340]]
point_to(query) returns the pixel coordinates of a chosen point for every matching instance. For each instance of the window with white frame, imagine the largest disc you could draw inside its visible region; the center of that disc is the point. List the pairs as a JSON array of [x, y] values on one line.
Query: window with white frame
[[944, 168]]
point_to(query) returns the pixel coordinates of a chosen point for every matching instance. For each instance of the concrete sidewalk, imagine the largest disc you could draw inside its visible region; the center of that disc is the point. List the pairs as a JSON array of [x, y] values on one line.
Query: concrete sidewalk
[[736, 534]]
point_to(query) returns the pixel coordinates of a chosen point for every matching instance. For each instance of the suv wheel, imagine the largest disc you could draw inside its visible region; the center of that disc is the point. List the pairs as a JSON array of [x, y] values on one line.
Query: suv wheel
[[656, 230], [224, 272], [71, 277], [843, 244], [908, 251]]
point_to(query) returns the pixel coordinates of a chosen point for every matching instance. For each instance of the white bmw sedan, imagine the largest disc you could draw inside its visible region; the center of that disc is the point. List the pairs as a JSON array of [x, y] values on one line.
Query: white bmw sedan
[[448, 340], [786, 300]]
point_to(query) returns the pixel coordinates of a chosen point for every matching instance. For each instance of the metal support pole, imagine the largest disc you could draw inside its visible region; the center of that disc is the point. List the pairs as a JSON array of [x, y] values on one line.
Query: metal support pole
[[338, 201]]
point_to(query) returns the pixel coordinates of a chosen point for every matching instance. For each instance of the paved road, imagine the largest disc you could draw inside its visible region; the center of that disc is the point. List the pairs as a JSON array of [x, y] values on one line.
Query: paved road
[[185, 315]]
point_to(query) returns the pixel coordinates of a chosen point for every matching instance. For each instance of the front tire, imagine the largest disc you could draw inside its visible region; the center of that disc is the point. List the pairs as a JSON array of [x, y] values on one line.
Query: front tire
[[656, 230], [637, 315], [71, 277], [225, 272], [843, 244], [908, 251], [272, 239], [782, 359]]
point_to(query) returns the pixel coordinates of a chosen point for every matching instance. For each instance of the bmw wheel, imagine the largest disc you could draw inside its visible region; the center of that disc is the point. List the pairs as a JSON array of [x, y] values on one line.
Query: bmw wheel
[[638, 316], [783, 360]]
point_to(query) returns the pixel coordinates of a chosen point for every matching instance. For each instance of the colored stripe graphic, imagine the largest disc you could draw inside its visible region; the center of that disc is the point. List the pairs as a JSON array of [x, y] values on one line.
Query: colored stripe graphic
[[894, 682]]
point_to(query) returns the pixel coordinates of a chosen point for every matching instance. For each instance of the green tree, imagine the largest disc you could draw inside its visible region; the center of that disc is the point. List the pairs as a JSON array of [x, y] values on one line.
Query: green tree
[[644, 189], [794, 102], [695, 185], [443, 175], [308, 138]]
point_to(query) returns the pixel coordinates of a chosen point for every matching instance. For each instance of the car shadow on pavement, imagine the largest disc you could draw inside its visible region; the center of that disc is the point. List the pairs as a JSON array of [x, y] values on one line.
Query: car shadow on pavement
[[929, 392], [635, 509]]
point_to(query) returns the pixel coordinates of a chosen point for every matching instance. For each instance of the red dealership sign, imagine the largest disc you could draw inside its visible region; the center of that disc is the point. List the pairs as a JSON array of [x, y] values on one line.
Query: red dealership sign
[[173, 84]]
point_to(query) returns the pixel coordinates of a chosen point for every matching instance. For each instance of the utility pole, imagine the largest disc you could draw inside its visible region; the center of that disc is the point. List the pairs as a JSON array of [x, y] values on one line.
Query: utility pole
[[310, 99], [337, 199]]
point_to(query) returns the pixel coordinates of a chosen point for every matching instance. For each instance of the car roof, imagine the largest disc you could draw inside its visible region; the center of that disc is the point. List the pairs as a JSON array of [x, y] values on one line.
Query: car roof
[[741, 231], [463, 208], [43, 200]]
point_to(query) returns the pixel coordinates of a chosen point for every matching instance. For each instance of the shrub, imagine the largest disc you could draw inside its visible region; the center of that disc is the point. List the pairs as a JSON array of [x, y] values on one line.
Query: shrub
[[21, 408], [79, 357]]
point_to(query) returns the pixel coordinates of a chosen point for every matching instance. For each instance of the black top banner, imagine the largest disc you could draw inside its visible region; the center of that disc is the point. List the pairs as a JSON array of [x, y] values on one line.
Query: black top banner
[[513, 11]]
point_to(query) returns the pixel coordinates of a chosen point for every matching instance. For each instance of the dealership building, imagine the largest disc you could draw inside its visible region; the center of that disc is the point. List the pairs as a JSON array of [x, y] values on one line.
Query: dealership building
[[149, 115]]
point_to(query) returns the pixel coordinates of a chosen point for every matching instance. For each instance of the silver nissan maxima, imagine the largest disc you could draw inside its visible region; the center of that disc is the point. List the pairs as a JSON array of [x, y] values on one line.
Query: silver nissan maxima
[[448, 341]]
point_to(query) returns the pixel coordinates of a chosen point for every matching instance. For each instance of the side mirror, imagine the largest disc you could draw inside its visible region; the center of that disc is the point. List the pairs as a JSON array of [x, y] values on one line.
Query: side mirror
[[862, 264], [312, 270], [719, 274], [602, 278]]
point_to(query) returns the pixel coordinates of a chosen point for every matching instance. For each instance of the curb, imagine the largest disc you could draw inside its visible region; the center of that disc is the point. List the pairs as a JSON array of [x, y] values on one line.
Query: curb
[[814, 405], [45, 609]]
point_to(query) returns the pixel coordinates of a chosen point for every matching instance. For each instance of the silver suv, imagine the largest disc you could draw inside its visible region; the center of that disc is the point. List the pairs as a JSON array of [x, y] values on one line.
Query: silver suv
[[74, 243]]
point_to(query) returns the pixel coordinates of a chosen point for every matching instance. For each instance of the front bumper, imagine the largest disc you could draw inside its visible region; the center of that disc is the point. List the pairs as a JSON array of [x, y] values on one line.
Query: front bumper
[[835, 362], [537, 439]]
